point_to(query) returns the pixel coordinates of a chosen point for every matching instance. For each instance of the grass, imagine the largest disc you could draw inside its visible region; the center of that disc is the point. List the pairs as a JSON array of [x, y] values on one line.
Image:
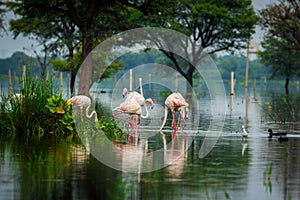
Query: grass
[[40, 110], [29, 111]]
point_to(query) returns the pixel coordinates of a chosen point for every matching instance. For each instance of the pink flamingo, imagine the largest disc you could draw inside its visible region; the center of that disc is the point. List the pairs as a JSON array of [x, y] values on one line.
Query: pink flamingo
[[175, 102], [83, 101], [139, 98], [132, 107]]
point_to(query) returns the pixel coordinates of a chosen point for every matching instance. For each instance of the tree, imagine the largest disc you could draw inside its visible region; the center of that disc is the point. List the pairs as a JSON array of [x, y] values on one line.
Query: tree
[[282, 20], [282, 40], [284, 61], [2, 12], [212, 26], [95, 20], [39, 29]]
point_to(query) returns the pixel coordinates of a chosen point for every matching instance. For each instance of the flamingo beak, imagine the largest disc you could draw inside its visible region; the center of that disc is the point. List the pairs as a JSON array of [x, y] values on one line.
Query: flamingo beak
[[68, 103], [152, 104]]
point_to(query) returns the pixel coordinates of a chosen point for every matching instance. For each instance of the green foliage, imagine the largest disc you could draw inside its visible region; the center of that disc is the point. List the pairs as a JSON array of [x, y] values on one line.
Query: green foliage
[[30, 112], [237, 64], [282, 108], [281, 20], [2, 12], [72, 64], [112, 131], [267, 177], [108, 125], [219, 25], [281, 42], [59, 113]]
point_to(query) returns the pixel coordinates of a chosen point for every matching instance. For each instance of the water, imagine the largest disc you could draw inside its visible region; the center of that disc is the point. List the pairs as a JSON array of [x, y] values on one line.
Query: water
[[257, 168]]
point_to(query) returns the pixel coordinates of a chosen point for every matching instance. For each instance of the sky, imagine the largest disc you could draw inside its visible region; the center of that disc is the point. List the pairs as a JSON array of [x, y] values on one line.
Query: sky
[[8, 45]]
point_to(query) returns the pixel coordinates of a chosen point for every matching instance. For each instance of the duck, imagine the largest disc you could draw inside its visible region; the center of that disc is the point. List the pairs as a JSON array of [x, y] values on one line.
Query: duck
[[271, 134]]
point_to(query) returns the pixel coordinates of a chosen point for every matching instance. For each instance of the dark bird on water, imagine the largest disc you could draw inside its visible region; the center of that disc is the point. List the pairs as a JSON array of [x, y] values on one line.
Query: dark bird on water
[[271, 134], [280, 139]]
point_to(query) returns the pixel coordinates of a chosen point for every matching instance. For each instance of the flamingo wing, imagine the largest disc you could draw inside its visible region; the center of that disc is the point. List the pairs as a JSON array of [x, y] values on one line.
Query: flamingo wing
[[130, 106], [136, 96]]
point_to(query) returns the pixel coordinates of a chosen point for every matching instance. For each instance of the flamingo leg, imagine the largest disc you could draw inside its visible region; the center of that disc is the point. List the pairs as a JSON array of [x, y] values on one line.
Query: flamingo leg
[[138, 121], [137, 136], [181, 115], [173, 120], [174, 134], [184, 123]]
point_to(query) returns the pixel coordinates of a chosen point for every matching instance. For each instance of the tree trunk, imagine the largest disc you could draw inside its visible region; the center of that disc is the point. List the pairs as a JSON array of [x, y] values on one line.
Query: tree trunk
[[189, 83], [72, 82], [86, 68], [287, 80]]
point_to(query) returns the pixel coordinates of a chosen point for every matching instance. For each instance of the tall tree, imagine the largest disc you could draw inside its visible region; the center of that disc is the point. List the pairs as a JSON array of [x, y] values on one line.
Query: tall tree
[[95, 20], [212, 26], [49, 34], [282, 20], [282, 39]]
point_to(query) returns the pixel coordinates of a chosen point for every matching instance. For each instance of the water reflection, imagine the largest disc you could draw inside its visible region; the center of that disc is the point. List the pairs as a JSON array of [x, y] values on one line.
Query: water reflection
[[258, 168], [234, 169]]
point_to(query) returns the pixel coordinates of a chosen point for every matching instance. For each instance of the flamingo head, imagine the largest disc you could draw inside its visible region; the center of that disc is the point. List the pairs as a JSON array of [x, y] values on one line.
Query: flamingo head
[[151, 102]]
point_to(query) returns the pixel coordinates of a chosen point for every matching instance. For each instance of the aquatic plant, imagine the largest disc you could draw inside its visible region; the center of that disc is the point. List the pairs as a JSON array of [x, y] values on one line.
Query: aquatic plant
[[60, 115], [267, 177], [39, 109], [28, 111], [282, 108]]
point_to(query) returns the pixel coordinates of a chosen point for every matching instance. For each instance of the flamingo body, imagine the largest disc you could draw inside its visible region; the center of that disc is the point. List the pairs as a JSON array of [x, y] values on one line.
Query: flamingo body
[[83, 101], [176, 103], [130, 106]]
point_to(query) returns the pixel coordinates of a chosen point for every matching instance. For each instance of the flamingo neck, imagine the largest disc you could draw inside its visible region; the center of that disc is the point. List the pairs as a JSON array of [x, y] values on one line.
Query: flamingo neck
[[147, 112], [165, 118], [141, 88], [91, 114]]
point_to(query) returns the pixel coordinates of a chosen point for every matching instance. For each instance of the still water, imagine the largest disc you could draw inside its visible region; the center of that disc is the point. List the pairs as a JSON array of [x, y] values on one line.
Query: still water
[[255, 168]]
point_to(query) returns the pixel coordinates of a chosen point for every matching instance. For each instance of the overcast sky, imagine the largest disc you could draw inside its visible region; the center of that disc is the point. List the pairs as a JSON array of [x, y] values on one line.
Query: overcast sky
[[8, 45]]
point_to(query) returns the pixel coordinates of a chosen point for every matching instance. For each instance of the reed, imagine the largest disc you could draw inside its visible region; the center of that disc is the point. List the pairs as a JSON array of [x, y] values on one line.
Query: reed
[[28, 111], [38, 109]]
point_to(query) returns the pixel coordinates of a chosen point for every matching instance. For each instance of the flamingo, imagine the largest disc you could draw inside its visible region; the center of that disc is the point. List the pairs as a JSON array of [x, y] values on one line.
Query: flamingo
[[139, 98], [132, 107], [83, 101], [175, 102]]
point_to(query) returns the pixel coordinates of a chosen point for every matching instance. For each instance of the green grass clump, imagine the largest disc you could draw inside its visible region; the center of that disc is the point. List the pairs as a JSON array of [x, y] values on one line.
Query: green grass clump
[[35, 110], [40, 110]]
